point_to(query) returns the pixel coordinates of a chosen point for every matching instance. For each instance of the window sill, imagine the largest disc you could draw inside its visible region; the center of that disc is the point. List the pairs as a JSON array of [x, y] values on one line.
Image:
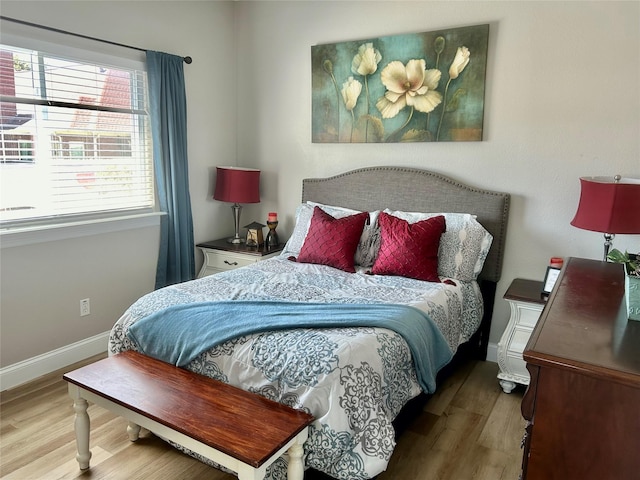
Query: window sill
[[49, 233]]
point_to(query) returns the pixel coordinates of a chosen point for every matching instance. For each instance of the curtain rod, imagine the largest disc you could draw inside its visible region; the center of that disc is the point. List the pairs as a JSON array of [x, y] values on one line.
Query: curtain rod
[[187, 60]]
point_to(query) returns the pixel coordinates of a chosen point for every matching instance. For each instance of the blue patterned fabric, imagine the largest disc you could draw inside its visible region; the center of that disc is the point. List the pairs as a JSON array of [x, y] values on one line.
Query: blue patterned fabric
[[179, 334]]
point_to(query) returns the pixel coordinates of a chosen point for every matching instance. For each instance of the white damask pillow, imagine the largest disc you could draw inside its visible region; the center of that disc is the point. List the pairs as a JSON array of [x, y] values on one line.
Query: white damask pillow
[[463, 247], [363, 256]]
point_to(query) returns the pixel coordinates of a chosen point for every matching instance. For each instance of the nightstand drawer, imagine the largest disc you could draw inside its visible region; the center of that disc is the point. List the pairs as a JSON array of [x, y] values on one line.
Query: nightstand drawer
[[517, 368], [529, 314], [519, 340], [220, 256], [227, 261]]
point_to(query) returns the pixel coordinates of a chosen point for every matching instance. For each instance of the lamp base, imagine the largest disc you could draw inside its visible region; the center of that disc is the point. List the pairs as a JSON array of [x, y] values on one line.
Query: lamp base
[[236, 208], [608, 241]]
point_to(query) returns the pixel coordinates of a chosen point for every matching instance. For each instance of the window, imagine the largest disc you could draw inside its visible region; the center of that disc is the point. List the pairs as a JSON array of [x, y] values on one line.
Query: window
[[74, 139]]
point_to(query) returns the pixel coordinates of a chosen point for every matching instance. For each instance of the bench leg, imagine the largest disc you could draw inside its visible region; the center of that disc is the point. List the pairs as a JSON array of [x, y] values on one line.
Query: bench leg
[[295, 470], [82, 425], [133, 430]]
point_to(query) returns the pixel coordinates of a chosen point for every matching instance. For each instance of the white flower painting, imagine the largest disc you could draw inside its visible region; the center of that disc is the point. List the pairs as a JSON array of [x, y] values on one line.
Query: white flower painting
[[424, 87]]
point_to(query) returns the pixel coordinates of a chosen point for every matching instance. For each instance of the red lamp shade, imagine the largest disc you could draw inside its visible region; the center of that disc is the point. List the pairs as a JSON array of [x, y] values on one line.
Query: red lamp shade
[[609, 206], [237, 185]]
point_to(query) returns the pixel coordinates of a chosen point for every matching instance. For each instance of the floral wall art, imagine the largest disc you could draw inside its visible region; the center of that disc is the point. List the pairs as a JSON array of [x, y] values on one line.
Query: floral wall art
[[421, 87]]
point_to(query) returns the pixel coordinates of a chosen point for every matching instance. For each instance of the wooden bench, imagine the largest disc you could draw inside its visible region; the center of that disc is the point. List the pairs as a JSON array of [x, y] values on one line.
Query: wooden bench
[[234, 428]]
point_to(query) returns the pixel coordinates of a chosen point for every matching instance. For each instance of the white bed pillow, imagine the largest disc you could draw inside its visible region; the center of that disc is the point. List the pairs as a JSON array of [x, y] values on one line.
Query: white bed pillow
[[463, 247], [364, 255]]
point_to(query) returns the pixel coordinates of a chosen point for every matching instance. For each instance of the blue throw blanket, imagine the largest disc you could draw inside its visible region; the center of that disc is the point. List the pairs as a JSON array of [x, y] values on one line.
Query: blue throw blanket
[[180, 333]]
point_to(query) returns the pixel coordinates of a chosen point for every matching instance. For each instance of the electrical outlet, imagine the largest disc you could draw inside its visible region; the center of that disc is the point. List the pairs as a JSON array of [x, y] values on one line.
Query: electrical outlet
[[85, 307]]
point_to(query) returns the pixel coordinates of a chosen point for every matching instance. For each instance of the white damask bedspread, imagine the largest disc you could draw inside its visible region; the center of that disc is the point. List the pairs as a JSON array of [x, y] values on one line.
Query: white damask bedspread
[[354, 381]]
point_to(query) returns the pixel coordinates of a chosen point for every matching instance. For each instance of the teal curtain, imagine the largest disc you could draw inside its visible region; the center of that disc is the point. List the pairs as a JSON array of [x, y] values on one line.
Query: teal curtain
[[168, 105]]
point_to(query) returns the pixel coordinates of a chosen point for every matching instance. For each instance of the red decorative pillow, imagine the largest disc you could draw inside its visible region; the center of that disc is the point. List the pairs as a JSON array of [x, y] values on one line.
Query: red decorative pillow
[[409, 249], [332, 241]]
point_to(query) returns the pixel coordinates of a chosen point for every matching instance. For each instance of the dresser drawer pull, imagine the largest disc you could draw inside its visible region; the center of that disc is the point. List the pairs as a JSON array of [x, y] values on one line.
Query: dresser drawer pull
[[230, 263]]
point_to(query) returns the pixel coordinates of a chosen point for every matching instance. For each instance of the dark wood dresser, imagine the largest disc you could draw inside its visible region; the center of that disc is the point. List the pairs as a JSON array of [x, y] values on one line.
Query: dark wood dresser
[[583, 401]]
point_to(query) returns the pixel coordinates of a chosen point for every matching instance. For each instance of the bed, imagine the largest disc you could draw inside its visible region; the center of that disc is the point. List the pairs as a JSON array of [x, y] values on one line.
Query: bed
[[353, 333]]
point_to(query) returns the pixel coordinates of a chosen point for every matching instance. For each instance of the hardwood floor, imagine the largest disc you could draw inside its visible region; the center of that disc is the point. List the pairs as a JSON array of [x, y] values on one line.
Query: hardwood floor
[[469, 430]]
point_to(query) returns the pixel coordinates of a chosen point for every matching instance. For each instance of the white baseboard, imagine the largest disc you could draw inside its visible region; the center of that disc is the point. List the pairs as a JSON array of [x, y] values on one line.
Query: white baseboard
[[492, 352], [32, 368]]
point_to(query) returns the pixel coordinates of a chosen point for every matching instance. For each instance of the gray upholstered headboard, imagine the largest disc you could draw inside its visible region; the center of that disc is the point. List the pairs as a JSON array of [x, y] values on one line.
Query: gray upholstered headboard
[[415, 190]]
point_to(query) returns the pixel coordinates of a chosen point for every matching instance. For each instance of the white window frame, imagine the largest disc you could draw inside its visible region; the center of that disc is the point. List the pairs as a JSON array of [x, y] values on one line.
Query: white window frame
[[91, 224]]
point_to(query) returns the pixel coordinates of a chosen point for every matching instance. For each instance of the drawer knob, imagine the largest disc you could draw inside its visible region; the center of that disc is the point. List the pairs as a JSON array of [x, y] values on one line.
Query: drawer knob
[[230, 263]]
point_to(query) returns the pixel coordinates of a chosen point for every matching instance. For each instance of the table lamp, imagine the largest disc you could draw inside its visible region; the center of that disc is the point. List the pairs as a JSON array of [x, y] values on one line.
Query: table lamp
[[237, 185], [609, 205]]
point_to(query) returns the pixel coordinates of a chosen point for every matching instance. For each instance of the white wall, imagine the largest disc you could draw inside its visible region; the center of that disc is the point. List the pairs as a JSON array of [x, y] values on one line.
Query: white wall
[[42, 284], [562, 101]]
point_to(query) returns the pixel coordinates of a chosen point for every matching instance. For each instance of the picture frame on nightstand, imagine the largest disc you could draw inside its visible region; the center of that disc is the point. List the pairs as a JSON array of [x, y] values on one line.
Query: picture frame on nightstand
[[550, 279]]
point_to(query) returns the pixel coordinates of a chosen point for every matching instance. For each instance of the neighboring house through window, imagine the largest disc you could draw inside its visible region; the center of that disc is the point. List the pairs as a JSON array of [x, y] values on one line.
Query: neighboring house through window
[[74, 139]]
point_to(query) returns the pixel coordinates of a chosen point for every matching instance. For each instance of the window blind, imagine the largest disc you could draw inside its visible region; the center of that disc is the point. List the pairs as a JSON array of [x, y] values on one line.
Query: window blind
[[74, 138]]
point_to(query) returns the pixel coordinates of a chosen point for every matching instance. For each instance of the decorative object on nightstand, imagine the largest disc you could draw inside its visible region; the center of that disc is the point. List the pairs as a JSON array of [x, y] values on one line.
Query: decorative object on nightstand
[[550, 280], [631, 265], [237, 185], [272, 236], [526, 302], [220, 255], [556, 262], [553, 271], [609, 205], [254, 234]]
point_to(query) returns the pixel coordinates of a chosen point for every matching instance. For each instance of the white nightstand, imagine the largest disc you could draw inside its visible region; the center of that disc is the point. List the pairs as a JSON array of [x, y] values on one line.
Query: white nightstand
[[219, 255], [526, 301]]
